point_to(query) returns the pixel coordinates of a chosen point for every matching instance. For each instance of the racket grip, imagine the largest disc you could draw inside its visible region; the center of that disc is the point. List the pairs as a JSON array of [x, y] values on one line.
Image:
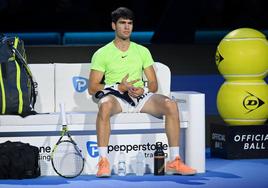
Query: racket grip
[[63, 114]]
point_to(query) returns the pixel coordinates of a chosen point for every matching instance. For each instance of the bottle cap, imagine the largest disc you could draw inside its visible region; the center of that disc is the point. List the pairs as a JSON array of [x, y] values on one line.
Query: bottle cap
[[158, 145]]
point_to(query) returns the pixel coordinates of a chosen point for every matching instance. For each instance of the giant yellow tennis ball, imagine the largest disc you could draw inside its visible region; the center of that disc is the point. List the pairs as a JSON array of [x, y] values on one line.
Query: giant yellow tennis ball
[[243, 102], [243, 54]]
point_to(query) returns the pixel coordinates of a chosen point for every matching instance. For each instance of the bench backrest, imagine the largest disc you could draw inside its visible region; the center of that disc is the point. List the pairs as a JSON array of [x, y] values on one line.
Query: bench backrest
[[43, 74], [68, 82]]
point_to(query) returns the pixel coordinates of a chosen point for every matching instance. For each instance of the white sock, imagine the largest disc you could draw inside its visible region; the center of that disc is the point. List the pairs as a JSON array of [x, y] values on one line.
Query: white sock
[[174, 152], [102, 151]]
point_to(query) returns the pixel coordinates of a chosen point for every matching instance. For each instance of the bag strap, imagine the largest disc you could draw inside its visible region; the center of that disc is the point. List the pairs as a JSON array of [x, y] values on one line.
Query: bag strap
[[28, 71]]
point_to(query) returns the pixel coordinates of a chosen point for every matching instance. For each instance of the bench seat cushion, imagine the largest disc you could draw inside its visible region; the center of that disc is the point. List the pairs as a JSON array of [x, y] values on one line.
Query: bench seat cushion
[[81, 121]]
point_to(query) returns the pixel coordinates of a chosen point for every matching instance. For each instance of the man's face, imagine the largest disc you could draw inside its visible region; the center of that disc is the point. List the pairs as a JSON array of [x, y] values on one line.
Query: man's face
[[123, 28]]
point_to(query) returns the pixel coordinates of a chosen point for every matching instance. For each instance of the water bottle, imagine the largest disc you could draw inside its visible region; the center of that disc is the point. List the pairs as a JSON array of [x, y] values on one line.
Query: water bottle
[[159, 160], [122, 164], [140, 164]]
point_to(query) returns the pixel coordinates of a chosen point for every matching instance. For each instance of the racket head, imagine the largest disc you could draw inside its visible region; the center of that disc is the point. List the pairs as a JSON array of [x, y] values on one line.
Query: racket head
[[67, 159]]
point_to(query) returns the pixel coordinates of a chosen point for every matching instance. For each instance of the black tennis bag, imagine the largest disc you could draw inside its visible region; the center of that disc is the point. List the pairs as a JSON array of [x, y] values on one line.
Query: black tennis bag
[[19, 160], [17, 88]]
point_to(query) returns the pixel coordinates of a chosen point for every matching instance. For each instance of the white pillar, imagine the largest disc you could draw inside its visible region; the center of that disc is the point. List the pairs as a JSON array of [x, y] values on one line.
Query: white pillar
[[194, 104]]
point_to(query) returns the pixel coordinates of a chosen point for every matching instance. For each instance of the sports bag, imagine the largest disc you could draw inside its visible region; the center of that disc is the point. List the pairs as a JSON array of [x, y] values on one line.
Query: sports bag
[[18, 160], [17, 88]]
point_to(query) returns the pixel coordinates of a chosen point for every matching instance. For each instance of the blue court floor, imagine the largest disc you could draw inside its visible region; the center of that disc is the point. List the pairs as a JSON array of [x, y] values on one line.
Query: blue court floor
[[221, 173]]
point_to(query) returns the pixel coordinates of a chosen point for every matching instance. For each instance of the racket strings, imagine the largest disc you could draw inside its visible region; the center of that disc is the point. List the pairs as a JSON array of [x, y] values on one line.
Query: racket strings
[[67, 160]]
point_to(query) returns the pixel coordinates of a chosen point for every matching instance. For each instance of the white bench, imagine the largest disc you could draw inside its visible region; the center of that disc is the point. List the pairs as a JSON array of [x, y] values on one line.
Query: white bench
[[67, 83]]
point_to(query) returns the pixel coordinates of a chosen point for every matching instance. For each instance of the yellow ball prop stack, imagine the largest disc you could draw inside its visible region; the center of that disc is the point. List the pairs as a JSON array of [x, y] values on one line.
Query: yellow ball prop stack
[[242, 59], [243, 102], [243, 54]]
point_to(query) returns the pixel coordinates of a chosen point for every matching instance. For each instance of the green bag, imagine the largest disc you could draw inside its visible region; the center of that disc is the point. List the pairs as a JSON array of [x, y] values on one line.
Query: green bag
[[17, 88]]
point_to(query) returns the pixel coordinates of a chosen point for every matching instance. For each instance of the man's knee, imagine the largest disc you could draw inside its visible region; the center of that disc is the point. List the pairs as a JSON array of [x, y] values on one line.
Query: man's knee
[[171, 106], [105, 107]]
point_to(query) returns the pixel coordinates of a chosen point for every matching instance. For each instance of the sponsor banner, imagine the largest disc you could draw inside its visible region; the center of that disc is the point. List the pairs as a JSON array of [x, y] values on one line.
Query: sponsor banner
[[129, 144], [238, 142]]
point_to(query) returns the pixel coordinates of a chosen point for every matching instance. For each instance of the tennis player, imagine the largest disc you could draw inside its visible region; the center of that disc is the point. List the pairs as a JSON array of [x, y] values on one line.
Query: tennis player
[[121, 63]]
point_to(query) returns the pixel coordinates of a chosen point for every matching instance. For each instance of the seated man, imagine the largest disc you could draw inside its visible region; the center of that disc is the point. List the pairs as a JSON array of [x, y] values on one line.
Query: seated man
[[122, 63]]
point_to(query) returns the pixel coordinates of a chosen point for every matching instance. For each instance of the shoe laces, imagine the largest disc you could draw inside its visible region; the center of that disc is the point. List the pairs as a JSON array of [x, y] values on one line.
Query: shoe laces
[[176, 162], [103, 163]]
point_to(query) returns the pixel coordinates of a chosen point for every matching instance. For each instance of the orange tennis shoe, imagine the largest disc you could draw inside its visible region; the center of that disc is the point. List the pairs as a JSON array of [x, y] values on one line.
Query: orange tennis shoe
[[178, 167], [103, 168]]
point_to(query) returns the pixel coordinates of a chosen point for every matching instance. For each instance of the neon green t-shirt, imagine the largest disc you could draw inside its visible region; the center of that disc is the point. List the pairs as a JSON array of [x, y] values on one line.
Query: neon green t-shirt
[[116, 64]]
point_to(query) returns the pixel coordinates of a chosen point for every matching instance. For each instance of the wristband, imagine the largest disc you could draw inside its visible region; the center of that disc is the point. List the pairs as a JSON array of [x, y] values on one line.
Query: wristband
[[145, 90], [114, 86]]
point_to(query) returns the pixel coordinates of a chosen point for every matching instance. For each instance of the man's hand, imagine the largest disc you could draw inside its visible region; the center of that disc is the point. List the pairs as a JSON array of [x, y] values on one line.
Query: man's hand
[[135, 91], [125, 85]]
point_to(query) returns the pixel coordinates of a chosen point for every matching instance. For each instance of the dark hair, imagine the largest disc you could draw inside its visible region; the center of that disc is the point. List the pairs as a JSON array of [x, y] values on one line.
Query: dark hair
[[122, 12]]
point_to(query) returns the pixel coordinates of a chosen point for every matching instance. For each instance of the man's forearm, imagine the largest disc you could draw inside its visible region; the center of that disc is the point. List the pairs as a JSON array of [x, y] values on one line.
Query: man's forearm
[[152, 87], [94, 88]]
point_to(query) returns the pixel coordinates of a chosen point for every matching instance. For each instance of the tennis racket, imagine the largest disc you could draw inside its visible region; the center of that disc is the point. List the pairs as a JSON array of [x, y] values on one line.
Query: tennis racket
[[66, 158]]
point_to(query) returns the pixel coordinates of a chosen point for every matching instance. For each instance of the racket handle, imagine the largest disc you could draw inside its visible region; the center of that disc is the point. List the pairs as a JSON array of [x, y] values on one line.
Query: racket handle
[[63, 114]]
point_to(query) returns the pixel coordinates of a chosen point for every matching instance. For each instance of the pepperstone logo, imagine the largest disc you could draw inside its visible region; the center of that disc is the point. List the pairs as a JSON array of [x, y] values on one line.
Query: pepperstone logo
[[92, 149], [148, 148], [80, 84]]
